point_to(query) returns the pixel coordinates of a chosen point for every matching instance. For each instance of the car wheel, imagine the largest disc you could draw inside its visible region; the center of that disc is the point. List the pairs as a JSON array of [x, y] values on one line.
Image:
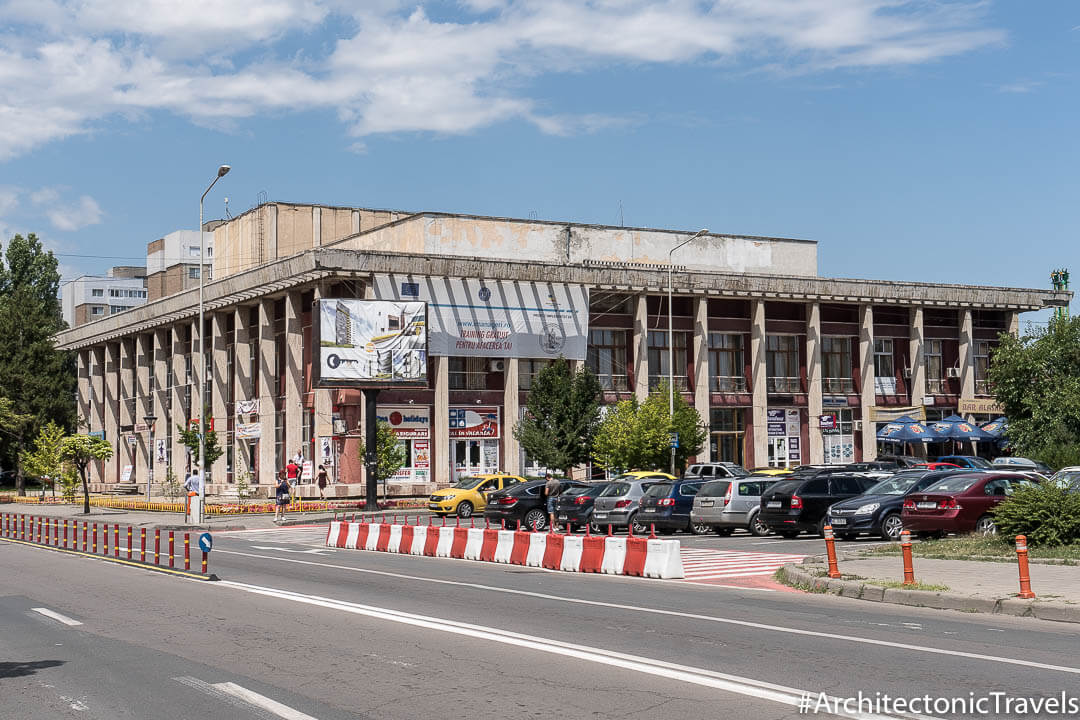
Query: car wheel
[[789, 534], [985, 526], [821, 527], [536, 520], [697, 528], [891, 527], [757, 526], [639, 528], [723, 531], [464, 509], [597, 529]]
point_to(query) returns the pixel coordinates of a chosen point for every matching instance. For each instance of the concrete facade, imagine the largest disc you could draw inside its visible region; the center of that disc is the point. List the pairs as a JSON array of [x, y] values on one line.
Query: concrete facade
[[91, 297]]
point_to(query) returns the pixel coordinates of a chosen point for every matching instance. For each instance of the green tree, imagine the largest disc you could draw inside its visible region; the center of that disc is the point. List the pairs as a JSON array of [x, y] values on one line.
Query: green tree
[[46, 460], [634, 435], [563, 416], [80, 451], [35, 376], [1036, 378], [190, 439], [14, 427], [389, 452]]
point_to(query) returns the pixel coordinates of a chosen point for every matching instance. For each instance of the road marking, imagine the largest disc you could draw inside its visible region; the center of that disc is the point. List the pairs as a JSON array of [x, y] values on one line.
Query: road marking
[[683, 673], [310, 551], [676, 613], [261, 701], [56, 616], [705, 564]]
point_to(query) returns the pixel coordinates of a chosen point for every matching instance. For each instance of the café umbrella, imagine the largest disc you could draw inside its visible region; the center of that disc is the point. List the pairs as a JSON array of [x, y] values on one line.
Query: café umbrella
[[996, 428], [958, 429], [904, 430]]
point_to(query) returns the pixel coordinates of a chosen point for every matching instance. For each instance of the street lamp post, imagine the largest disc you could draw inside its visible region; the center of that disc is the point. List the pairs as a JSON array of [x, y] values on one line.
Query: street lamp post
[[149, 420], [222, 172], [671, 339]]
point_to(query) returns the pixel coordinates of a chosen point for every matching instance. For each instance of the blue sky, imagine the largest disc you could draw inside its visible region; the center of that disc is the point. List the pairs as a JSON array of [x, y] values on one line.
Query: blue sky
[[915, 140]]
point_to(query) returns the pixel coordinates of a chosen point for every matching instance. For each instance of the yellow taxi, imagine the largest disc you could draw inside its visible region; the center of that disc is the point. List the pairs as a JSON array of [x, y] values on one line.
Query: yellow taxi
[[643, 474], [771, 471], [469, 495]]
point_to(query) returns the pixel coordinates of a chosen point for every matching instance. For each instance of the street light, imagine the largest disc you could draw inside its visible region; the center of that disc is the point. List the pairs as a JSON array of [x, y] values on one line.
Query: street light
[[149, 420], [222, 172], [671, 338]]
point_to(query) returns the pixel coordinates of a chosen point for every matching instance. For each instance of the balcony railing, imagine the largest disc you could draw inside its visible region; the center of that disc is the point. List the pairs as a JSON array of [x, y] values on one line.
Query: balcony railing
[[680, 382], [837, 386], [728, 384], [935, 386], [982, 387], [785, 385], [613, 383]]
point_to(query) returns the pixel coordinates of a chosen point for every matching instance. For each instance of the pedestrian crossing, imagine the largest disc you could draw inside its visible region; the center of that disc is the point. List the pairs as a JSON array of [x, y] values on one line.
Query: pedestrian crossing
[[707, 565], [306, 535]]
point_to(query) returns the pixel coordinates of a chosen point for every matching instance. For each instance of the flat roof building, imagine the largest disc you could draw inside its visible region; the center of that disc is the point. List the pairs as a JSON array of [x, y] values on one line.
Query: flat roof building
[[92, 297]]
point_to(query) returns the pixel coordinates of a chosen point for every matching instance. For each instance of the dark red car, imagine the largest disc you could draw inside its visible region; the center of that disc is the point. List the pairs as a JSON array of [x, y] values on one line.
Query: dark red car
[[960, 503]]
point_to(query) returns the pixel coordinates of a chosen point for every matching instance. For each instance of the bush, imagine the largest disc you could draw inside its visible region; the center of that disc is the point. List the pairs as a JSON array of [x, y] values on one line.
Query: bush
[[1046, 514]]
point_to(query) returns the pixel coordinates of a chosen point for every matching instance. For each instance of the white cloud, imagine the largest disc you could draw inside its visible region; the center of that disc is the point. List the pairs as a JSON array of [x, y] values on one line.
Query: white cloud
[[66, 216], [1021, 86], [389, 66]]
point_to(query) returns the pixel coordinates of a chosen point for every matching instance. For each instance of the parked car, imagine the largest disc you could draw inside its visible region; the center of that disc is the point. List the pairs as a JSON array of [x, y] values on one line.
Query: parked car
[[725, 505], [967, 461], [469, 495], [771, 472], [960, 502], [666, 505], [1068, 477], [877, 511], [801, 504], [937, 466], [872, 466], [524, 504], [574, 507], [710, 471], [617, 505], [1020, 463], [902, 461]]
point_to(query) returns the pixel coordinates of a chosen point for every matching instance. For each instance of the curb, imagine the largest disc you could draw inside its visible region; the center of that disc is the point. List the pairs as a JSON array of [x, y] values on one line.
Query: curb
[[793, 576]]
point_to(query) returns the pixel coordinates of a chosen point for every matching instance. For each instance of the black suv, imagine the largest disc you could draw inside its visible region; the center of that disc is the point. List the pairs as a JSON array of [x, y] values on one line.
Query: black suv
[[523, 504], [877, 511], [801, 504]]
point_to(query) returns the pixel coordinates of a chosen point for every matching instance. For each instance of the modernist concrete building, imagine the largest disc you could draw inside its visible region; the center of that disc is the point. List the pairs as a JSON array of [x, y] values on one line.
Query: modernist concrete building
[[785, 367], [91, 297]]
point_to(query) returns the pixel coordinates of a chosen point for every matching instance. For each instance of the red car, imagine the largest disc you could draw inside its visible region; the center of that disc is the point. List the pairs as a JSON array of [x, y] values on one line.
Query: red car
[[960, 503], [937, 466]]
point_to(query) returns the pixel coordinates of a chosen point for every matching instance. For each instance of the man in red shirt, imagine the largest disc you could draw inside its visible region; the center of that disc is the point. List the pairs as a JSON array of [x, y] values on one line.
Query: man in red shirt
[[292, 471]]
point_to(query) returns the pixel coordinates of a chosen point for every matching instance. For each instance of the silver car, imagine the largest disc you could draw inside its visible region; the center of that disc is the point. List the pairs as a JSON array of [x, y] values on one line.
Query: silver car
[[725, 505], [617, 505]]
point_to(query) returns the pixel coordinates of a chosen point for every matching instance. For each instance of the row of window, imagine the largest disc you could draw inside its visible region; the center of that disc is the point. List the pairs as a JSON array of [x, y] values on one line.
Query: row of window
[[118, 293]]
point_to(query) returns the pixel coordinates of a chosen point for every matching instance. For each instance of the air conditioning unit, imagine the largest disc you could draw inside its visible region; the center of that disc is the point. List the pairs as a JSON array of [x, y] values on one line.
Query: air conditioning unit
[[952, 372], [907, 373], [498, 365], [857, 425]]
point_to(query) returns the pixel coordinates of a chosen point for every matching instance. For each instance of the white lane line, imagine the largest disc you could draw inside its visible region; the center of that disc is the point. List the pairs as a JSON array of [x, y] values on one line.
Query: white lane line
[[683, 673], [56, 616], [715, 576], [261, 701], [676, 613]]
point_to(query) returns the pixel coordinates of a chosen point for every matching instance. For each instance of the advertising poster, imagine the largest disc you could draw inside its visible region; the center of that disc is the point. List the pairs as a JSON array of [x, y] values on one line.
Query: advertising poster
[[474, 422], [774, 421], [248, 431], [159, 451], [407, 421], [371, 342]]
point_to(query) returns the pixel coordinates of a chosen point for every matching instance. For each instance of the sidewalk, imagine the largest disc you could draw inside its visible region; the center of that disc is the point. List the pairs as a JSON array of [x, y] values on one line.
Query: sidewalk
[[972, 585]]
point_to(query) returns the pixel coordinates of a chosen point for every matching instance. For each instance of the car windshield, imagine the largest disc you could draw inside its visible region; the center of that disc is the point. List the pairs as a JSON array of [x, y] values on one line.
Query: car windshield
[[895, 485], [954, 484], [572, 491], [738, 471], [468, 483], [976, 462], [716, 488], [1065, 477], [615, 489], [659, 490]]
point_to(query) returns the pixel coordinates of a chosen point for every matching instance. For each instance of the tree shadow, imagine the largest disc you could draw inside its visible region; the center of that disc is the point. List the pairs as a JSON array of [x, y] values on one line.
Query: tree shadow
[[21, 669]]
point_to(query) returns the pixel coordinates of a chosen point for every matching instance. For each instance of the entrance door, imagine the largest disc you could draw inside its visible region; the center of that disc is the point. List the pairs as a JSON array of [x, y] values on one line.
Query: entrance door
[[778, 452], [475, 457]]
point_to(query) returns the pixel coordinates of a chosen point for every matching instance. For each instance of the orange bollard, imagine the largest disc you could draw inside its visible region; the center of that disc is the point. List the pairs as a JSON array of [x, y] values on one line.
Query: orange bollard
[[187, 551], [204, 562], [830, 550], [157, 546], [1022, 561], [129, 542], [652, 530], [142, 544], [116, 540], [94, 546], [905, 549], [170, 548]]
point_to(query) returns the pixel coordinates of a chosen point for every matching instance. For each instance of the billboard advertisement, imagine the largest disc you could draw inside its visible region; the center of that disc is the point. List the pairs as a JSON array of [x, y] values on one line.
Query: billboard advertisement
[[497, 318], [370, 343]]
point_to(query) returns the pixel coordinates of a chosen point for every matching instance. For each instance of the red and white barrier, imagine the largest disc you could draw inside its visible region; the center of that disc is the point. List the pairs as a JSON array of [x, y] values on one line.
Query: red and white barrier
[[639, 556]]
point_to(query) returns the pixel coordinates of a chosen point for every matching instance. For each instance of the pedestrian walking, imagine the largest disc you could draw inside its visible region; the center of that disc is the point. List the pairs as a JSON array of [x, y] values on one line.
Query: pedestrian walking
[[551, 490], [322, 481], [283, 493], [292, 471], [192, 484]]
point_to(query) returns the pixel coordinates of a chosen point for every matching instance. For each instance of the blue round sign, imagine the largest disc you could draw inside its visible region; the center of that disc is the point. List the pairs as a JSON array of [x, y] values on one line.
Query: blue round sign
[[206, 542]]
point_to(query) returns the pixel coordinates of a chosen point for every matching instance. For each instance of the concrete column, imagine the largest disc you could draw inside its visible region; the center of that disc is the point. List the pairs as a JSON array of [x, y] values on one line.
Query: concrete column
[[324, 400], [125, 376], [967, 356], [179, 414], [200, 392], [83, 379], [641, 347], [701, 369], [246, 335], [295, 415], [266, 392], [1012, 325], [144, 356], [866, 372], [97, 414], [758, 384], [511, 461], [917, 382], [219, 369], [813, 382], [160, 345], [316, 227], [112, 413], [440, 424]]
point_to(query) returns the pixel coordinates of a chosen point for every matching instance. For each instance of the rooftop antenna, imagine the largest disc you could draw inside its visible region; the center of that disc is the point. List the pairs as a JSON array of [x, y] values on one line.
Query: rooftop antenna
[[621, 222], [533, 215], [227, 215]]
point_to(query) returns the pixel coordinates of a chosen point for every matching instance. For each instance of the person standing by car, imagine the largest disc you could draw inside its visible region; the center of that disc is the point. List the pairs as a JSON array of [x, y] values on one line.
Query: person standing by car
[[551, 490]]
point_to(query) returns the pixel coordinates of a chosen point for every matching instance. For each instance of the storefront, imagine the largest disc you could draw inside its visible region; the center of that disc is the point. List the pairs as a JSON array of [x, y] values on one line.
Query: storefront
[[727, 435], [412, 427], [838, 436], [475, 431], [785, 437]]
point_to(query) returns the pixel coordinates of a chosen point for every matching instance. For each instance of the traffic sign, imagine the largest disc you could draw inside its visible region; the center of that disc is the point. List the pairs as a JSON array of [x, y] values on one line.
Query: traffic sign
[[206, 542], [674, 440]]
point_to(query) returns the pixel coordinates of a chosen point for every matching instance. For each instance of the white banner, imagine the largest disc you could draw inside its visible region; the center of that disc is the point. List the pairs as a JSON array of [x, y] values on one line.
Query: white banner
[[372, 342], [248, 431], [247, 407], [497, 318]]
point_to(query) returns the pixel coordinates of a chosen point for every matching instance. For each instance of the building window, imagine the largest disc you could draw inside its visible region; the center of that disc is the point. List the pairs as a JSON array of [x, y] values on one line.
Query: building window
[[726, 363], [193, 251], [468, 373], [782, 364], [193, 273], [607, 358], [528, 370], [982, 366], [97, 310], [113, 309], [658, 359], [883, 358], [836, 365], [97, 292], [935, 383], [726, 436]]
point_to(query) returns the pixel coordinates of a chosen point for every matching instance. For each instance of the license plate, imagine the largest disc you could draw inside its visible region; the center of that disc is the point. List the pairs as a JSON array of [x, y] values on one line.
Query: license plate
[[926, 505], [839, 521], [707, 503], [774, 504], [599, 516], [562, 517]]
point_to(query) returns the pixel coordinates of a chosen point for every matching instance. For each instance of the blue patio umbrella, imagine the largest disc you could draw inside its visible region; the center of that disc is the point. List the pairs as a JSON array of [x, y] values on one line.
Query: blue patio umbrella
[[996, 428], [958, 429], [901, 431]]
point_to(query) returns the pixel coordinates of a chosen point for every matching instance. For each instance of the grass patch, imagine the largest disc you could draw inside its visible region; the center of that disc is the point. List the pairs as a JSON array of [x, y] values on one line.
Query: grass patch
[[977, 547], [899, 585]]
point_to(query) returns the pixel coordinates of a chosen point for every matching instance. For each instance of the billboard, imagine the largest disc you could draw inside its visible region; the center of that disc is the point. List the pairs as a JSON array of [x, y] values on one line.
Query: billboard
[[370, 343], [472, 317]]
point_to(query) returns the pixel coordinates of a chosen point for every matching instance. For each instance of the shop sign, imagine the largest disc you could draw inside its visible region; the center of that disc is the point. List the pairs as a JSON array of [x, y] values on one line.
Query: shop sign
[[774, 421], [827, 422], [474, 421], [986, 406], [407, 421], [125, 474]]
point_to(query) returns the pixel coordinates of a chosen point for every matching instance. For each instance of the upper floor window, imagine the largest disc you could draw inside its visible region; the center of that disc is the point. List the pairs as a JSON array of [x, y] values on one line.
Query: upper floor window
[[467, 373], [782, 363], [658, 359], [836, 365], [193, 273], [607, 358], [726, 373], [528, 370], [932, 357], [982, 367], [97, 292], [97, 310], [883, 358]]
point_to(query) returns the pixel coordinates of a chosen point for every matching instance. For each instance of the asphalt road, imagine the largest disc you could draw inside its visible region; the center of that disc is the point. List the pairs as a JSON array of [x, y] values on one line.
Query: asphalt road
[[296, 628]]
